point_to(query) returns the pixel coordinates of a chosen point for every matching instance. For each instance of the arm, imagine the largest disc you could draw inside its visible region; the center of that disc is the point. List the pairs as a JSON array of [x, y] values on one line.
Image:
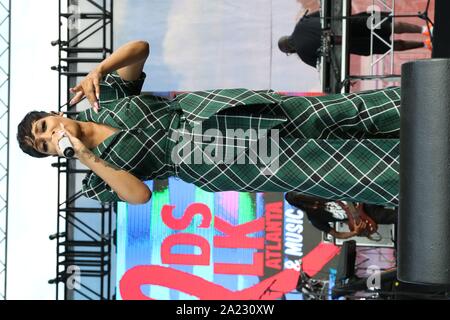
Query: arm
[[128, 60], [127, 186], [359, 227]]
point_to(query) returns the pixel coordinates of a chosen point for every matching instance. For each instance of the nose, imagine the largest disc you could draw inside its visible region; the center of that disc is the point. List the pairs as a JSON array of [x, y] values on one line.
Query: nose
[[49, 135]]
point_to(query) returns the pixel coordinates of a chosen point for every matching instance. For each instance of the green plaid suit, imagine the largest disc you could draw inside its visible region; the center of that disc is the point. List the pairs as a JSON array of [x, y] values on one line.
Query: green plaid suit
[[341, 146]]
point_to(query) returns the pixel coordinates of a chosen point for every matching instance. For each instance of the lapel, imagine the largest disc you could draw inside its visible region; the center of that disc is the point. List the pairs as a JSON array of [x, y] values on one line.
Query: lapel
[[104, 116], [100, 150]]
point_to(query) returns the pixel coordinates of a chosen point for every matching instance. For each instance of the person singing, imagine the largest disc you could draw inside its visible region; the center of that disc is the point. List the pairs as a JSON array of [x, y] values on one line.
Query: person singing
[[338, 147]]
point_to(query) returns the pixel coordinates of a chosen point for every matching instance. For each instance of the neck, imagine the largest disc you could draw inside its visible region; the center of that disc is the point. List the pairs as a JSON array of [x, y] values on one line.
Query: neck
[[87, 135]]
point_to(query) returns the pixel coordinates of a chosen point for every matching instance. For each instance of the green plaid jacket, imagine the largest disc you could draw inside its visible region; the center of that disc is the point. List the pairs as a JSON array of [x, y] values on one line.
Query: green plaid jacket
[[340, 146]]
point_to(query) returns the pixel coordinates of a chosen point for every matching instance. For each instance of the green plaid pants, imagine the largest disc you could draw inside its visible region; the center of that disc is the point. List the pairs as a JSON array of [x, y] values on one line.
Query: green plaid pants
[[341, 146]]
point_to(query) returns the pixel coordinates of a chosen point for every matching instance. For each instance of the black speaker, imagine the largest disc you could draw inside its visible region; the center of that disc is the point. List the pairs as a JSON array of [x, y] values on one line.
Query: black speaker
[[424, 211], [346, 261], [441, 43]]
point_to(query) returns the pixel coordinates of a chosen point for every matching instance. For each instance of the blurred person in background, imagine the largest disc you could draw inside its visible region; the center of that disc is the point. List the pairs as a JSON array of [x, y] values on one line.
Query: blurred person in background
[[306, 39]]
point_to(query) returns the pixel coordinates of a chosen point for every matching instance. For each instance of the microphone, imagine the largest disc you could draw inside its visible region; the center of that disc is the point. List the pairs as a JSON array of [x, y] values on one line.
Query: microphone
[[66, 147]]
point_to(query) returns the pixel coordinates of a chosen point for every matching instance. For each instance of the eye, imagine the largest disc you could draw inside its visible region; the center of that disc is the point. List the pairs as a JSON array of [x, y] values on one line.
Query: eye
[[44, 146], [44, 126]]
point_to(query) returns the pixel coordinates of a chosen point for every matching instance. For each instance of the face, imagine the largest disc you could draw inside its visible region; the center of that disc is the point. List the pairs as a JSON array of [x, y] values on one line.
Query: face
[[46, 131]]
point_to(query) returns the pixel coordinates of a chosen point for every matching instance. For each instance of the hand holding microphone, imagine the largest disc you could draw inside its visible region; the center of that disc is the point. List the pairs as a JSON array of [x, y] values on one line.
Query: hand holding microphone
[[66, 147], [69, 146]]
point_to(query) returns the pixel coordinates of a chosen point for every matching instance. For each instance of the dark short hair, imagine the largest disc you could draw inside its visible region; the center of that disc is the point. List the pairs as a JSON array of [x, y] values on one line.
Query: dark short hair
[[24, 135], [285, 45], [301, 200]]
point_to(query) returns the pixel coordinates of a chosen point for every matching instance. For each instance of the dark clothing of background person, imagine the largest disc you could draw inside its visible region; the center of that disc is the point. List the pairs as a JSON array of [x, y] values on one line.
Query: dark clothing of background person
[[306, 38], [359, 38], [321, 218]]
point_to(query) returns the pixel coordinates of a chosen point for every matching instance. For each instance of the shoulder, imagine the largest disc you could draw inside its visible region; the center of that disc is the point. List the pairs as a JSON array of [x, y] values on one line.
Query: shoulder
[[113, 87], [310, 21], [114, 78]]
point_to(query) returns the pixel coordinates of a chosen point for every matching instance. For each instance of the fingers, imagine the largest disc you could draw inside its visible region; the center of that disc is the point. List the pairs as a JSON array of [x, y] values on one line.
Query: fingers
[[97, 88], [67, 133], [64, 130], [58, 137], [58, 151], [90, 95], [77, 98], [77, 88], [89, 88], [359, 225], [97, 93]]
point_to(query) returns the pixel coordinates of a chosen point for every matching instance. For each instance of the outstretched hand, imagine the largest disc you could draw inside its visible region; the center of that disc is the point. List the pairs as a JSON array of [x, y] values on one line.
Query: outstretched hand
[[89, 87]]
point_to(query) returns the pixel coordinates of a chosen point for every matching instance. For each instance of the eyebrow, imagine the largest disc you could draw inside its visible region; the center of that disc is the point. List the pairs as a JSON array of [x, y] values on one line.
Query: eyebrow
[[33, 132]]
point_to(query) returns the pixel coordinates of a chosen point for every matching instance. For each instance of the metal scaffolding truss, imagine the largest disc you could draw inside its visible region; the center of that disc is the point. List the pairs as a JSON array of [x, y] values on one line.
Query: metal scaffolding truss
[[378, 70], [5, 27], [84, 235], [334, 63], [376, 25]]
